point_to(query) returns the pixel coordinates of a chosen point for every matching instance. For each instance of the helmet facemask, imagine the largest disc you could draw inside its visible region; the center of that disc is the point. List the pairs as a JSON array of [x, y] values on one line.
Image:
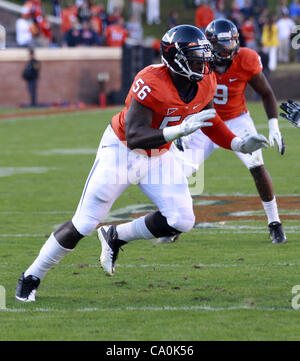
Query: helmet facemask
[[225, 47], [187, 55]]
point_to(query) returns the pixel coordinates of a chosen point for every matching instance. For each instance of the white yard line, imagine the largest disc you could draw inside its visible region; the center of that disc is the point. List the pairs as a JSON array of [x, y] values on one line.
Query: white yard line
[[153, 308]]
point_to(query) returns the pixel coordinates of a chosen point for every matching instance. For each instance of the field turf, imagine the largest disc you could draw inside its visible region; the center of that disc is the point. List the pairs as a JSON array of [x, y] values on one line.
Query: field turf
[[223, 281]]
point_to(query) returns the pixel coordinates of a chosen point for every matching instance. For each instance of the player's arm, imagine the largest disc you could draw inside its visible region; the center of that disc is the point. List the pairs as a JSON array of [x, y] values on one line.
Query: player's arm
[[140, 134], [220, 134], [260, 84]]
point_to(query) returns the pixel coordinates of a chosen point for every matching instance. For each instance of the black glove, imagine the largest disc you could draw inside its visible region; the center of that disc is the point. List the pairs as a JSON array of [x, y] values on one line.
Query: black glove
[[293, 112]]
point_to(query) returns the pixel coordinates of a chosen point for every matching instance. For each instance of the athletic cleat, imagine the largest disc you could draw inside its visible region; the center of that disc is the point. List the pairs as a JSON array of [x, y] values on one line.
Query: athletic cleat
[[111, 245], [167, 239], [26, 288], [277, 234]]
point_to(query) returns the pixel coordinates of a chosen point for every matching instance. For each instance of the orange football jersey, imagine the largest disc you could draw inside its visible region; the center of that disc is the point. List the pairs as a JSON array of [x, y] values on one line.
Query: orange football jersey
[[153, 87], [229, 99]]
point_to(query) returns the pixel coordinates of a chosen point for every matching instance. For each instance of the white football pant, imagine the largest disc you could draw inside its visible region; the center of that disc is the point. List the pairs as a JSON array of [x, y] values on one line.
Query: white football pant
[[116, 167]]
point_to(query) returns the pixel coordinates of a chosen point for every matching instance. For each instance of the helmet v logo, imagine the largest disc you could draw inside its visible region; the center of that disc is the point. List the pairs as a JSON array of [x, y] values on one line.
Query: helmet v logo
[[170, 38]]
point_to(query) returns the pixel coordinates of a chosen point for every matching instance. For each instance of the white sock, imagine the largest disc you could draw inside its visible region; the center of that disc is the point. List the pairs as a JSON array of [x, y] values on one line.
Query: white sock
[[271, 211], [136, 229], [50, 254]]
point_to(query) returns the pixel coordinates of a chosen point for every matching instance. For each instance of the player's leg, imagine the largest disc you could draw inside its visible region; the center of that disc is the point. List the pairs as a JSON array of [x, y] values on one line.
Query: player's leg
[[102, 187], [243, 126], [195, 149], [167, 187]]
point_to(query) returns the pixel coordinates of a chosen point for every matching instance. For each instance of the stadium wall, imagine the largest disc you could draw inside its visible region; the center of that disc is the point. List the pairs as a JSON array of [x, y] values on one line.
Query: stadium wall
[[71, 75], [67, 74]]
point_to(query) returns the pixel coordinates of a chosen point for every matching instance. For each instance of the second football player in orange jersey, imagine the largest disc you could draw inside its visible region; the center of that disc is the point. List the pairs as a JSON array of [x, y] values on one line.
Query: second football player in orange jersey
[[234, 68]]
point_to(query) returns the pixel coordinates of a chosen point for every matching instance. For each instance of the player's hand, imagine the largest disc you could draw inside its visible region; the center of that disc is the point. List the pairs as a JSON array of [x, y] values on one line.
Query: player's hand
[[275, 135], [249, 144], [293, 112], [189, 125], [197, 121]]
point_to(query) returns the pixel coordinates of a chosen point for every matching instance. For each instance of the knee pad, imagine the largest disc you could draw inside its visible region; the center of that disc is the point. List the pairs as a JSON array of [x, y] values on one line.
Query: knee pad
[[85, 225], [183, 220]]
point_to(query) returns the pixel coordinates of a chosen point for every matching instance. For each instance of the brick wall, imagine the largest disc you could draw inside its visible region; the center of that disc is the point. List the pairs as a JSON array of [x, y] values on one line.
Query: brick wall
[[67, 75]]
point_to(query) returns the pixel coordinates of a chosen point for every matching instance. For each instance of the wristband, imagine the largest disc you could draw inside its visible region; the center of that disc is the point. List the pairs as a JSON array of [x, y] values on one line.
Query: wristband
[[236, 144], [171, 133]]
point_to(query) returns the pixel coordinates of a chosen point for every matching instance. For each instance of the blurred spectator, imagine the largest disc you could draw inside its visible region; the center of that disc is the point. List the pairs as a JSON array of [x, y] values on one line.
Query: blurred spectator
[[137, 9], [240, 4], [32, 8], [153, 12], [247, 10], [116, 34], [46, 36], [88, 36], [24, 30], [261, 21], [204, 15], [114, 17], [258, 7], [173, 19], [56, 9], [135, 29], [96, 20], [285, 27], [31, 75], [295, 9], [270, 42], [113, 4], [248, 31], [219, 12], [84, 12], [68, 15], [72, 36], [283, 8], [235, 15]]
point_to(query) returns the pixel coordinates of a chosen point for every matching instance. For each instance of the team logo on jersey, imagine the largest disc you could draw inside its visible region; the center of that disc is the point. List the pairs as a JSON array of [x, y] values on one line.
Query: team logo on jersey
[[171, 110]]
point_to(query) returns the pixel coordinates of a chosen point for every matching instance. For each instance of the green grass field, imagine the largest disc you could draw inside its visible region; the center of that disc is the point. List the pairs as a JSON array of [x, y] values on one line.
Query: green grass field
[[223, 281]]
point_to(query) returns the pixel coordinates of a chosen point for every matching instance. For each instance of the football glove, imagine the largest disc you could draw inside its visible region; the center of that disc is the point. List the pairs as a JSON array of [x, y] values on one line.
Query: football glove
[[293, 112], [249, 144], [275, 135], [189, 125], [179, 144]]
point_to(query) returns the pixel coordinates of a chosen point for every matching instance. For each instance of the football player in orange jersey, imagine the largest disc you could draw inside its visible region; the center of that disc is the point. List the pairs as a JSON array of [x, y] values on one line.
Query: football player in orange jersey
[[165, 102], [234, 68]]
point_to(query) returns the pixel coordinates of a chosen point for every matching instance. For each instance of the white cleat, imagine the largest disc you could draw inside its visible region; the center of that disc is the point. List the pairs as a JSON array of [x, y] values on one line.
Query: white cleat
[[170, 239]]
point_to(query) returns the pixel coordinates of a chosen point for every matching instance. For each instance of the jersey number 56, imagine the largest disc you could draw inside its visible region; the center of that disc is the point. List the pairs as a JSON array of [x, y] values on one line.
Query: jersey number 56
[[141, 92]]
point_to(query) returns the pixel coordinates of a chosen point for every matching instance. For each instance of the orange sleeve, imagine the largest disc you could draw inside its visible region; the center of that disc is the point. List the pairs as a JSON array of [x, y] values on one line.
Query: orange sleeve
[[146, 90], [251, 63], [219, 133]]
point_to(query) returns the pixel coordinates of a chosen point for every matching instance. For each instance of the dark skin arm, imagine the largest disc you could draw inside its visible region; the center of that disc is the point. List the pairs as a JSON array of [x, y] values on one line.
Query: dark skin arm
[[139, 134], [261, 85]]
